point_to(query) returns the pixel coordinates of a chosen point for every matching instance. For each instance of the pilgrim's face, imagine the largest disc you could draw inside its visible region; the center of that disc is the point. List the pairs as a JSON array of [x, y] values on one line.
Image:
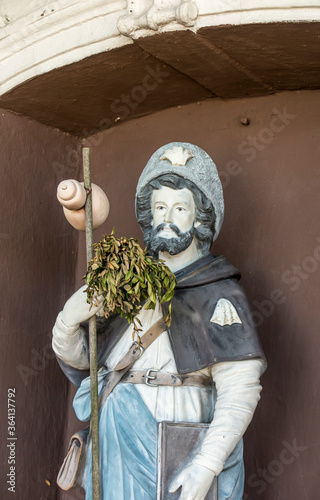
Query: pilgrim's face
[[173, 206]]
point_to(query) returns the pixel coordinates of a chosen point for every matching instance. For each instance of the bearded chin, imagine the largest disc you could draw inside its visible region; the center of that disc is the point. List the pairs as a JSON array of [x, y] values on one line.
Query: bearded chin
[[173, 246]]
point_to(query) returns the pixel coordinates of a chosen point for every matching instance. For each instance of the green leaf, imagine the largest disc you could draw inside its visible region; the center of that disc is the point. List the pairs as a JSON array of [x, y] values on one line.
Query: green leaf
[[126, 277]]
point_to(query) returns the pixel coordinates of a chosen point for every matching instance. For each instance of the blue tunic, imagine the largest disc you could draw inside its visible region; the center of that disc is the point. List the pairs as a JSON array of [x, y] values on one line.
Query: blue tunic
[[128, 448]]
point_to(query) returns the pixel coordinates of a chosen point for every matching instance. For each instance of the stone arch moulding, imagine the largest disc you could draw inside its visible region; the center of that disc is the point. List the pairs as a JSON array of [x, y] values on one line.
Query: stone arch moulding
[[42, 35], [110, 55], [54, 35]]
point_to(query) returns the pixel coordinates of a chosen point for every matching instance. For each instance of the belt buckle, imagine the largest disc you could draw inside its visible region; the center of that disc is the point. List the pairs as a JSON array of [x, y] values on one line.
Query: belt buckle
[[151, 377], [135, 343]]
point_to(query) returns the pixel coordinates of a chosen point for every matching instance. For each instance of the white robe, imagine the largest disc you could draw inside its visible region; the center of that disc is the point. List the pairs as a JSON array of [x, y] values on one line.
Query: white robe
[[236, 388]]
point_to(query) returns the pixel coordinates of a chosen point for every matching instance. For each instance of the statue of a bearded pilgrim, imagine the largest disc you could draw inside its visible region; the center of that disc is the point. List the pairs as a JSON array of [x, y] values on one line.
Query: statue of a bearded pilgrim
[[205, 368]]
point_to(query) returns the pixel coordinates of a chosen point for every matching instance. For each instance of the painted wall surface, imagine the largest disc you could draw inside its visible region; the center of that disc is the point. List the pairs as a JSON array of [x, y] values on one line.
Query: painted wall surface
[[270, 170], [271, 177], [38, 254]]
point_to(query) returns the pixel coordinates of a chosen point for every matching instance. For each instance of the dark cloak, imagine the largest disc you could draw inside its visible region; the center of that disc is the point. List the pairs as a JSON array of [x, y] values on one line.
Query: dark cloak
[[196, 342]]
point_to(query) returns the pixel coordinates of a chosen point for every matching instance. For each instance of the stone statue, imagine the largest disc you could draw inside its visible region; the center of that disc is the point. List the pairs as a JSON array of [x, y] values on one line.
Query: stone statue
[[211, 347]]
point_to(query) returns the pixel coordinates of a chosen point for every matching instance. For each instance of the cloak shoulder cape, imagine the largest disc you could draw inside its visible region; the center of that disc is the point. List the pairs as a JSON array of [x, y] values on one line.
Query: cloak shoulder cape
[[196, 340]]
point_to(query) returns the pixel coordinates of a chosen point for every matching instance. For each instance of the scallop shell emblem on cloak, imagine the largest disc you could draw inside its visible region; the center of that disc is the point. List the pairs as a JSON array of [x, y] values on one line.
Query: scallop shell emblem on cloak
[[178, 155], [225, 313]]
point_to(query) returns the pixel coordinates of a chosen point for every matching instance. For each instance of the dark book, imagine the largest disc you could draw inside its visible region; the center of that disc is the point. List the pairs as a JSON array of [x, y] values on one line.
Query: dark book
[[178, 443]]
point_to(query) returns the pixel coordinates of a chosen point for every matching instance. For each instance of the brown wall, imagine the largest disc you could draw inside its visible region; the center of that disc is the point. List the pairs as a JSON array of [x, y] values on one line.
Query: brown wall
[[272, 233], [38, 255]]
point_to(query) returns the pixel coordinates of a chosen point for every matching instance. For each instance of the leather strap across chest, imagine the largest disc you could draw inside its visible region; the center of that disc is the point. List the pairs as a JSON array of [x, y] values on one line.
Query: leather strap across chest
[[135, 351], [130, 358]]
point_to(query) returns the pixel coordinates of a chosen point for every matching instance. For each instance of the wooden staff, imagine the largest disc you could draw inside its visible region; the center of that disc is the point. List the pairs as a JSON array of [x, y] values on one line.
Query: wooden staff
[[92, 335]]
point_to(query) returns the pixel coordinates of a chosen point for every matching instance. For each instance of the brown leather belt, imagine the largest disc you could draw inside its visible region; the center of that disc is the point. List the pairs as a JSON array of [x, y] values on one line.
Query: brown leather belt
[[154, 378]]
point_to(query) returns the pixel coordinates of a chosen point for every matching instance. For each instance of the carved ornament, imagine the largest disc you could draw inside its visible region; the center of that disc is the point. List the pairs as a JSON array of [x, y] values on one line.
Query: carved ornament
[[155, 14]]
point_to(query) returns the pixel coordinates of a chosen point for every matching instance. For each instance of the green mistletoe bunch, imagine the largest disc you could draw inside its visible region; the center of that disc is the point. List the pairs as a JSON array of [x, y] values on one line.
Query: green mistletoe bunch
[[128, 279]]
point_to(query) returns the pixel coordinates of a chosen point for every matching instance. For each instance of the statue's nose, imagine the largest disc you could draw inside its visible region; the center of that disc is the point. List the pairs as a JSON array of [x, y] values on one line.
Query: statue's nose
[[168, 216]]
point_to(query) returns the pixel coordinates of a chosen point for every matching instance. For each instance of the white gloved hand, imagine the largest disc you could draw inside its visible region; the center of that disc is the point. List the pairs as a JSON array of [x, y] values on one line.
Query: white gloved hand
[[195, 481], [69, 339], [76, 309]]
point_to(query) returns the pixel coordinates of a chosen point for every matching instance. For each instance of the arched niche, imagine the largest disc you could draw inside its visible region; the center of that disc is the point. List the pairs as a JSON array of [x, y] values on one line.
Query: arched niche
[[83, 66]]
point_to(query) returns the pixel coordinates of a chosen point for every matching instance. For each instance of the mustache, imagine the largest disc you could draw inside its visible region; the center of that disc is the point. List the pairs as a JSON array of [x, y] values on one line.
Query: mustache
[[173, 227]]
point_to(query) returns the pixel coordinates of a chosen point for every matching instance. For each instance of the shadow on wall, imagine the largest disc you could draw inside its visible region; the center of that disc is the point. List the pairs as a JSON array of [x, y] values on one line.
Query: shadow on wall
[[267, 153]]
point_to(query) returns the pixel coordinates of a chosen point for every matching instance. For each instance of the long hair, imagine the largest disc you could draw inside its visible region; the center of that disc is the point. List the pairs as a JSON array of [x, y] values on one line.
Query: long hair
[[204, 209]]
